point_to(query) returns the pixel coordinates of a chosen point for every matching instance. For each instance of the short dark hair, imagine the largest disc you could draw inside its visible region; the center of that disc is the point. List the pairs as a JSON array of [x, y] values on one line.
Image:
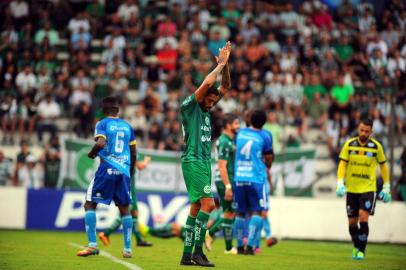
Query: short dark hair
[[212, 91], [228, 118], [368, 122], [110, 105], [258, 119]]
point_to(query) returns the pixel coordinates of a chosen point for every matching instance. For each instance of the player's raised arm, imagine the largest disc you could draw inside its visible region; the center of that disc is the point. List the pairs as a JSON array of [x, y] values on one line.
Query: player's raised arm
[[211, 78]]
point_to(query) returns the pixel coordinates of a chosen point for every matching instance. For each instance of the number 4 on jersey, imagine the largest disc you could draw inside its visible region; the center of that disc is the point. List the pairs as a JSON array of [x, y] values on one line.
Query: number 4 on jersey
[[246, 149]]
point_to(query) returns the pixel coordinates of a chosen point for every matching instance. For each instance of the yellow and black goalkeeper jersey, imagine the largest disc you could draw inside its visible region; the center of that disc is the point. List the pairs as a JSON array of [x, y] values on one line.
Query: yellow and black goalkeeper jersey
[[361, 164]]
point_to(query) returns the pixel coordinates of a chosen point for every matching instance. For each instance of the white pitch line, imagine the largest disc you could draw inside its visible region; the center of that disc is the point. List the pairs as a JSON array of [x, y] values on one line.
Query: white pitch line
[[107, 255]]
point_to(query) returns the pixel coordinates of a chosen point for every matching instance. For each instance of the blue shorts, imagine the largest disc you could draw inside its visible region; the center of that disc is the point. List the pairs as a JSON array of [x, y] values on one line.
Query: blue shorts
[[109, 184], [249, 197], [266, 201]]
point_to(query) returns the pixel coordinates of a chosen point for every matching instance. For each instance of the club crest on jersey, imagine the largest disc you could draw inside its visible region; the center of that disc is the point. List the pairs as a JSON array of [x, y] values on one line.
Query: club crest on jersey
[[369, 154], [207, 189], [368, 204], [371, 144], [207, 120]]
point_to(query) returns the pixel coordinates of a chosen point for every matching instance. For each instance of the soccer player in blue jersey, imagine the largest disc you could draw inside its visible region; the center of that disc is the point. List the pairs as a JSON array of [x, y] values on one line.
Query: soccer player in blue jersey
[[115, 146], [254, 155]]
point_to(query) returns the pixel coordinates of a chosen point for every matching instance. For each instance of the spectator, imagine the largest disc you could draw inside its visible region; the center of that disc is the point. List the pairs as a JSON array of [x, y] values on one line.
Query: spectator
[[215, 43], [118, 86], [21, 160], [222, 28], [289, 20], [8, 117], [20, 10], [79, 22], [341, 94], [48, 111], [31, 174], [128, 9], [80, 40], [314, 87], [167, 28], [26, 82], [167, 58], [272, 45], [83, 120], [344, 50], [275, 128], [51, 167], [317, 110], [117, 39], [47, 32], [250, 31], [27, 118], [5, 170]]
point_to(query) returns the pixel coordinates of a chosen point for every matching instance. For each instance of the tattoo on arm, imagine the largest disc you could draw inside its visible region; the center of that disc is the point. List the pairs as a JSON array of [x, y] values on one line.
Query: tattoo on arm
[[225, 78]]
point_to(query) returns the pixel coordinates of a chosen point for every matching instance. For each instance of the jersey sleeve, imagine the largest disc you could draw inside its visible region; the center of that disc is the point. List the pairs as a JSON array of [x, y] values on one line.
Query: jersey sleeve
[[133, 141], [380, 154], [267, 148], [223, 151], [100, 130], [188, 104], [344, 152]]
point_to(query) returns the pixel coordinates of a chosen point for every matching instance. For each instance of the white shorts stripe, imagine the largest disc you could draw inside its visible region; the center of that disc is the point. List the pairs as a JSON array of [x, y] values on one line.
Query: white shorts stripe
[[90, 190]]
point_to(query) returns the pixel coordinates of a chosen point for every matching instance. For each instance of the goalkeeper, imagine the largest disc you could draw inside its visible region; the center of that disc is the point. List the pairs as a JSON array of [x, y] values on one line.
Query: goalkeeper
[[358, 160]]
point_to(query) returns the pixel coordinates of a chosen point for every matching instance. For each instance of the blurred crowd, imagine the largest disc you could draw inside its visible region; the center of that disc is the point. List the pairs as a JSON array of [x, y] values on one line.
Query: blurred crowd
[[308, 66]]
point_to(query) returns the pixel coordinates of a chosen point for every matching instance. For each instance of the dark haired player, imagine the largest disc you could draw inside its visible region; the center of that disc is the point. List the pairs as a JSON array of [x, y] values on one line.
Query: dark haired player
[[358, 159], [196, 158], [254, 157], [225, 155], [115, 146]]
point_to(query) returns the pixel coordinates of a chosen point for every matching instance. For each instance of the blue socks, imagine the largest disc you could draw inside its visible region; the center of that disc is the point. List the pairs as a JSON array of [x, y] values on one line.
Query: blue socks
[[239, 228], [90, 223], [254, 230], [127, 222], [267, 227]]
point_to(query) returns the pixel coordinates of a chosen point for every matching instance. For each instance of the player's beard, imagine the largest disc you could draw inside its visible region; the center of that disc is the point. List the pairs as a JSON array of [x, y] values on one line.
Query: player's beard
[[363, 139]]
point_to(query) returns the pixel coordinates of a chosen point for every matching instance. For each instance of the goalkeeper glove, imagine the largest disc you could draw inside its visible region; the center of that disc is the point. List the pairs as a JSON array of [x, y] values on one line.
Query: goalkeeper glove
[[340, 190], [385, 194]]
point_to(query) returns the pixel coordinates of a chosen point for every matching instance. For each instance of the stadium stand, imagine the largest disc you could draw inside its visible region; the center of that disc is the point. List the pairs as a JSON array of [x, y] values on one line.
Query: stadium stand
[[317, 69]]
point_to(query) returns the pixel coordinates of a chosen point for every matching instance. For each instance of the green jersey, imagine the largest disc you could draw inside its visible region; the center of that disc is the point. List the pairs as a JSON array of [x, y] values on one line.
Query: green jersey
[[225, 150], [196, 130]]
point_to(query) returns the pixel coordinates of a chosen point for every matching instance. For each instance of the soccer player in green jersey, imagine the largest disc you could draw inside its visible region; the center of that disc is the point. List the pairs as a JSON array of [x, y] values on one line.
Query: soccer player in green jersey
[[196, 158], [104, 236], [225, 154]]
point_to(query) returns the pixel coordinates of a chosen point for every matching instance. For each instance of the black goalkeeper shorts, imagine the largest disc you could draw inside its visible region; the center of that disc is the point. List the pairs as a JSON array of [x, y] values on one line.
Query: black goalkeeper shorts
[[356, 201]]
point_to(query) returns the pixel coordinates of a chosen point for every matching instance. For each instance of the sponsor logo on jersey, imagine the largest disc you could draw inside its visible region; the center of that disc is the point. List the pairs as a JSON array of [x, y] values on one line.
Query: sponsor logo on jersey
[[369, 154], [353, 152], [111, 171], [206, 138], [207, 120], [371, 144], [207, 189], [114, 128]]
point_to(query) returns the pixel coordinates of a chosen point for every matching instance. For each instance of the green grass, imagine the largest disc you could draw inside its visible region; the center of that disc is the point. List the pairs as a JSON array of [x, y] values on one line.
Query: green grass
[[30, 250]]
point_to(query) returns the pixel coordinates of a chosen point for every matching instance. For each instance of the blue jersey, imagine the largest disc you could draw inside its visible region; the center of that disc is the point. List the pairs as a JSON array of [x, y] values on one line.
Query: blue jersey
[[119, 136], [251, 144]]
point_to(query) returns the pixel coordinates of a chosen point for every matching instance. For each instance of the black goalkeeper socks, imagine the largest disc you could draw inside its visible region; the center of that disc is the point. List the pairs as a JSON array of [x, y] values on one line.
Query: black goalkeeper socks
[[363, 236], [354, 232]]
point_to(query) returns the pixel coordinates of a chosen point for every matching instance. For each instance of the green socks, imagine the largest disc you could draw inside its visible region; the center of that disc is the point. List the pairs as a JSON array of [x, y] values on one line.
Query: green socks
[[228, 232], [189, 235], [113, 227], [216, 226], [200, 230], [136, 230]]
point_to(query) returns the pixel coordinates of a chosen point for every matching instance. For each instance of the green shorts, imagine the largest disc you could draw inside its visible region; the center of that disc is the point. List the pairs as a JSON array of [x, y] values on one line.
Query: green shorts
[[134, 204], [197, 175], [228, 206]]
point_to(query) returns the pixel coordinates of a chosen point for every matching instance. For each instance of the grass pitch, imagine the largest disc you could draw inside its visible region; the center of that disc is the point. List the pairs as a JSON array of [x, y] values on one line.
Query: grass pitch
[[42, 250]]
